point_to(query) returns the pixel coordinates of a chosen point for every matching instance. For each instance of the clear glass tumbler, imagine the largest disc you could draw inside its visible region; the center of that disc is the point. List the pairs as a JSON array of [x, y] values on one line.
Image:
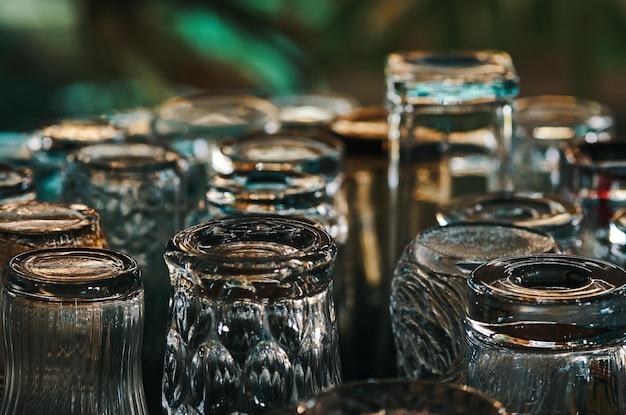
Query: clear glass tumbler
[[450, 131], [546, 334], [72, 322], [543, 124], [400, 397], [139, 191], [428, 292], [252, 321], [549, 213]]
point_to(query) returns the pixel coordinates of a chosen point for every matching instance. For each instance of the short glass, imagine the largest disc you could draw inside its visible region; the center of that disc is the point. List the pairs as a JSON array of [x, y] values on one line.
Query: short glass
[[194, 124], [72, 322], [594, 175], [252, 320], [400, 397], [617, 238], [52, 145], [450, 130], [17, 183], [139, 191], [543, 124], [428, 292], [549, 213], [546, 334]]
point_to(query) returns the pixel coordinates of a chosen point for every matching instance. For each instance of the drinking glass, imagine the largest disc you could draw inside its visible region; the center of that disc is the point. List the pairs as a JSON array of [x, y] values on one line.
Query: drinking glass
[[543, 124], [450, 131], [252, 321], [594, 175], [72, 321], [194, 125], [400, 397], [428, 292], [52, 145], [139, 191], [546, 334], [617, 238], [17, 183], [549, 213]]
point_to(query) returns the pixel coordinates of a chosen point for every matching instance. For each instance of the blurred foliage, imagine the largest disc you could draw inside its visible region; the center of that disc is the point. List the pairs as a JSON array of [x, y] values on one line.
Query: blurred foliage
[[73, 58]]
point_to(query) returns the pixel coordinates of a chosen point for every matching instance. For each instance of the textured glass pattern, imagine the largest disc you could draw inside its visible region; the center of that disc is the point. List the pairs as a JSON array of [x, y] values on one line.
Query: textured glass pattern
[[252, 320], [428, 292], [72, 322]]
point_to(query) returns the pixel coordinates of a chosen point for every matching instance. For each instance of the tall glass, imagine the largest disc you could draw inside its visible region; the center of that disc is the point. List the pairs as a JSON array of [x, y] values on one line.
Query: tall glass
[[252, 319], [543, 125], [428, 292], [547, 213], [400, 396], [139, 191], [17, 183], [72, 321], [450, 131], [546, 334]]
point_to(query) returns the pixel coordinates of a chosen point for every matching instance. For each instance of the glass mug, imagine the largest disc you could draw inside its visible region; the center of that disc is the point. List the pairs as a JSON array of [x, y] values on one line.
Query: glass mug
[[72, 324], [17, 183], [450, 131], [428, 292], [252, 322], [545, 334], [399, 397]]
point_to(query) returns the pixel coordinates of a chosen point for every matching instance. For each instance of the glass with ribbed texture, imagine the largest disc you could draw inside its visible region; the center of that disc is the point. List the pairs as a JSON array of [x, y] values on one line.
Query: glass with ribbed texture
[[72, 321]]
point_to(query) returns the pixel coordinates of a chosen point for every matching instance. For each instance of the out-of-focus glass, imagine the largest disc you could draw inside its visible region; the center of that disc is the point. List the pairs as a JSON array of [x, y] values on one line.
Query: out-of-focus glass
[[428, 292], [17, 183], [195, 124], [278, 174], [594, 175], [450, 130], [309, 111], [137, 122], [617, 238], [52, 145], [14, 148], [72, 321], [139, 191], [543, 124], [400, 397], [252, 320], [547, 213], [546, 334]]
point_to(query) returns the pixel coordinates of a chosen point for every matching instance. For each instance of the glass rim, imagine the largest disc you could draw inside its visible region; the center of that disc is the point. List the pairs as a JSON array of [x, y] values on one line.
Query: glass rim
[[20, 180], [373, 389], [67, 216], [42, 274], [65, 134], [129, 157]]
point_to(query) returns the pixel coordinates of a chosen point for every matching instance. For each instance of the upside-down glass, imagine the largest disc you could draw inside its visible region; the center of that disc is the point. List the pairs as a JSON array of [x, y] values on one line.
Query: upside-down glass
[[546, 334], [52, 145], [543, 124], [594, 175], [450, 131], [547, 213], [194, 124], [252, 321], [428, 292], [139, 191], [17, 183], [400, 397], [72, 321]]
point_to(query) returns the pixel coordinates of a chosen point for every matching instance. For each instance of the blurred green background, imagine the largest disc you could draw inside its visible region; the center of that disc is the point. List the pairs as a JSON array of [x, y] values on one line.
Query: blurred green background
[[74, 58]]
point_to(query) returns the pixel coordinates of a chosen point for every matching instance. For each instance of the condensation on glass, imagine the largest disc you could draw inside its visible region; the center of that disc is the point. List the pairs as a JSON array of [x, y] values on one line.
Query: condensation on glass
[[549, 213], [139, 191], [450, 131], [72, 322], [17, 183], [400, 397], [543, 124], [429, 286], [546, 334], [52, 145], [252, 320]]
